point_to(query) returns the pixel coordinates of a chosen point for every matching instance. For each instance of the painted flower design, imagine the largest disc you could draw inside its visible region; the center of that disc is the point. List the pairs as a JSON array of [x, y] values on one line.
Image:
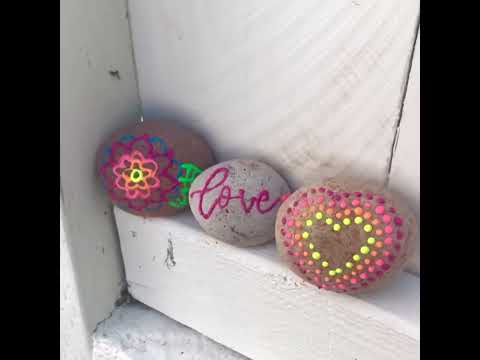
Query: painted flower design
[[136, 175], [139, 173]]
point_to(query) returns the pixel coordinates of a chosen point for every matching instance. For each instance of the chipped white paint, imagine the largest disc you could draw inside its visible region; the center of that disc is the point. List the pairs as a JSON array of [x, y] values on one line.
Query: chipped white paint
[[98, 93], [405, 174], [248, 301], [136, 332], [74, 337]]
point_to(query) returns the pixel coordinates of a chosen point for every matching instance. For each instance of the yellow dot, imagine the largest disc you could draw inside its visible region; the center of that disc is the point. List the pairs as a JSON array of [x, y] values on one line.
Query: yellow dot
[[319, 215], [356, 257], [336, 227], [329, 221], [368, 228], [349, 265], [316, 255], [358, 220], [347, 221], [305, 235], [364, 250], [332, 273], [309, 222], [338, 270], [311, 246], [371, 240], [325, 264]]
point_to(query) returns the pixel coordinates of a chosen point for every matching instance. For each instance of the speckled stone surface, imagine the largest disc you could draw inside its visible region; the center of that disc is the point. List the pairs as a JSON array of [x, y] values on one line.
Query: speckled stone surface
[[345, 238], [236, 201]]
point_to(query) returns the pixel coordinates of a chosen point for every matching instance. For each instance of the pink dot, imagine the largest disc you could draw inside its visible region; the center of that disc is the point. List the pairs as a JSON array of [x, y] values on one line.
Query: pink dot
[[393, 210], [363, 276], [289, 235], [321, 189], [371, 269], [380, 210], [302, 262], [379, 262], [369, 196], [304, 195], [379, 232], [346, 194], [331, 203], [386, 267], [321, 198], [296, 254], [358, 194], [368, 205], [289, 210], [284, 221], [388, 229], [290, 223], [386, 253], [398, 221], [341, 286], [343, 204], [381, 200], [356, 202], [337, 197], [399, 235], [397, 247], [286, 243], [353, 280], [387, 219], [316, 279], [329, 192], [388, 241]]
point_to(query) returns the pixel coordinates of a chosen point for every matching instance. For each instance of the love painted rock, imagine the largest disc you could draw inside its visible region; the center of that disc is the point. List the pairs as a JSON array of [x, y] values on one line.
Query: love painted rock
[[147, 169], [236, 201], [344, 238]]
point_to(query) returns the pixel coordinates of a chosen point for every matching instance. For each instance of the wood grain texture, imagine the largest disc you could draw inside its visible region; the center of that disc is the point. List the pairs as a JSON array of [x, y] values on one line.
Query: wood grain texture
[[312, 87], [405, 173], [98, 93], [250, 302]]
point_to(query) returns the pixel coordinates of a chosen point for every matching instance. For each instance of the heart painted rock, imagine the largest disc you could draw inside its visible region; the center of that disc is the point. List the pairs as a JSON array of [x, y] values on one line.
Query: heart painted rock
[[147, 169], [236, 201], [345, 238]]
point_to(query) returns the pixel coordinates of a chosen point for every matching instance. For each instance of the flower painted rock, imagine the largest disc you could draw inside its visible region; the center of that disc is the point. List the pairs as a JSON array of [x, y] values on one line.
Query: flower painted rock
[[236, 201], [345, 238], [147, 168]]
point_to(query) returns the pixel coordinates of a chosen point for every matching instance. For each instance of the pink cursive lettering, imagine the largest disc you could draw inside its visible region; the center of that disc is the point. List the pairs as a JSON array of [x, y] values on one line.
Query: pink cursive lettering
[[216, 180]]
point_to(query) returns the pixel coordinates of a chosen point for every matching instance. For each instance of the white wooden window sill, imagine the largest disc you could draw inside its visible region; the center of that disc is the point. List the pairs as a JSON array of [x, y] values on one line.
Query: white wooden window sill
[[247, 300]]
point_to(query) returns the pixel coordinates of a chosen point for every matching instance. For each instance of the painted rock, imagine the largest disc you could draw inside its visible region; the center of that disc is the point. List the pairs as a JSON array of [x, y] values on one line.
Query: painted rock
[[236, 201], [345, 238], [147, 169]]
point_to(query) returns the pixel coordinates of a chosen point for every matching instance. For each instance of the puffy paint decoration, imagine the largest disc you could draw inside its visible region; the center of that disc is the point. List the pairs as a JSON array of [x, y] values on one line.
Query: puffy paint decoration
[[345, 238], [147, 168], [236, 201]]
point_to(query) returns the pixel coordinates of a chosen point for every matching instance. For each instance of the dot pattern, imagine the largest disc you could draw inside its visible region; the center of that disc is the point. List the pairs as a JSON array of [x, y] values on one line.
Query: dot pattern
[[382, 226]]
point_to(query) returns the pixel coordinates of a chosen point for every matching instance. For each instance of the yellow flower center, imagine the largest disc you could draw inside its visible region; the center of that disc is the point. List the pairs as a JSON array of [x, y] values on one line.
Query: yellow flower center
[[136, 176]]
